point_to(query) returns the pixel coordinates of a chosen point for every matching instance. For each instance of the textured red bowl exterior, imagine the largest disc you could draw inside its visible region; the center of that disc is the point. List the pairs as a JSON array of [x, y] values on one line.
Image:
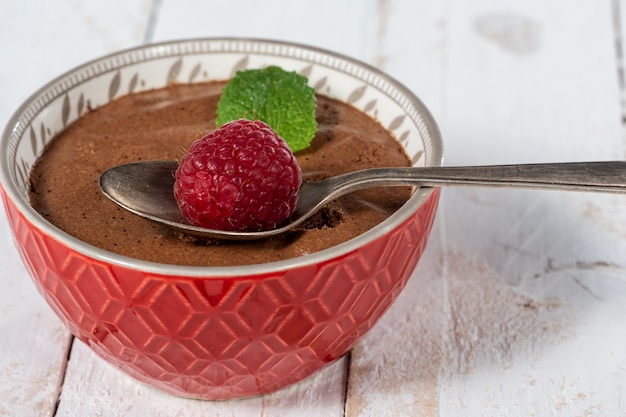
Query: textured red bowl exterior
[[228, 337], [218, 333]]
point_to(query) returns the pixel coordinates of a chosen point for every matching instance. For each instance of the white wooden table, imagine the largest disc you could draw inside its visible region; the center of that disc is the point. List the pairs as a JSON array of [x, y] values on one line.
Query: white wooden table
[[518, 307]]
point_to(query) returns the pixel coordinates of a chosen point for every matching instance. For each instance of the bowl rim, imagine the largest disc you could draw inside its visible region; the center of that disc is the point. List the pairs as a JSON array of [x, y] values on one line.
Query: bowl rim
[[401, 215]]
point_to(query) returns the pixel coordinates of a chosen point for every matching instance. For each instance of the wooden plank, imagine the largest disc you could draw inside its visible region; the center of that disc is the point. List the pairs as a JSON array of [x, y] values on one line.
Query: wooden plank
[[95, 388], [619, 25], [349, 27], [569, 95], [412, 47], [531, 284], [534, 279], [40, 41], [45, 40], [33, 344], [552, 99]]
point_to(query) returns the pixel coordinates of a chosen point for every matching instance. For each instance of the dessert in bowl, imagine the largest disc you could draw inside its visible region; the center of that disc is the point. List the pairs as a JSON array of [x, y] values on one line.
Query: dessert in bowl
[[215, 330]]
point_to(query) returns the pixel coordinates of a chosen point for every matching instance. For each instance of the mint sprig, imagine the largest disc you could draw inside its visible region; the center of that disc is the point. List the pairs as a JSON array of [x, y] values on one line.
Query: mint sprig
[[279, 98]]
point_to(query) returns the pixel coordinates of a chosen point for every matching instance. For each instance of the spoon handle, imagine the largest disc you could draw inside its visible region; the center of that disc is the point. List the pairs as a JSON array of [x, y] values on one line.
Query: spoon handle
[[606, 176]]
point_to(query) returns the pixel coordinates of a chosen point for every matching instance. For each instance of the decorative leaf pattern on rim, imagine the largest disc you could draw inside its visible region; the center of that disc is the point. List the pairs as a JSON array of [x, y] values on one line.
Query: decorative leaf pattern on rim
[[139, 70]]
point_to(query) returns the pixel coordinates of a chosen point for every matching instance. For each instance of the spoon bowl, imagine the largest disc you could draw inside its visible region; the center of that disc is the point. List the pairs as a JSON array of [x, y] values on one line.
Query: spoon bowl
[[146, 188]]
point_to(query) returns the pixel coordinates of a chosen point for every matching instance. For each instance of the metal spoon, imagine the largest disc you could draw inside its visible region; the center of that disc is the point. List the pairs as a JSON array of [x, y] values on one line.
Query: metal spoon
[[145, 188]]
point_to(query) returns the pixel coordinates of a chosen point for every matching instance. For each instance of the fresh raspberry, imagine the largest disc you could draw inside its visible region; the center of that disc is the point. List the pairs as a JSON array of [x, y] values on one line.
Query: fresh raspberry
[[240, 177]]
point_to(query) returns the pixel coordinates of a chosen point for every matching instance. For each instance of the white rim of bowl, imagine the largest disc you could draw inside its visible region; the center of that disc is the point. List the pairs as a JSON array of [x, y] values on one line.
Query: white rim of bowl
[[401, 215]]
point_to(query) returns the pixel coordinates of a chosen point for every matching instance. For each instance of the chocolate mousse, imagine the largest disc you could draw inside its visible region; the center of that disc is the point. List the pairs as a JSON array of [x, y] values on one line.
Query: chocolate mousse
[[161, 124]]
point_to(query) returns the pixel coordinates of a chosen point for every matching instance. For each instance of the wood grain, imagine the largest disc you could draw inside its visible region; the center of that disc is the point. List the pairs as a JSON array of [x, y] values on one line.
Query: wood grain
[[517, 306]]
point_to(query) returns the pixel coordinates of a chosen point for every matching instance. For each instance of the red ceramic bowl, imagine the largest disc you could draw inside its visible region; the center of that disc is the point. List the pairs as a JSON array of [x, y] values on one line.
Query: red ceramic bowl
[[218, 332]]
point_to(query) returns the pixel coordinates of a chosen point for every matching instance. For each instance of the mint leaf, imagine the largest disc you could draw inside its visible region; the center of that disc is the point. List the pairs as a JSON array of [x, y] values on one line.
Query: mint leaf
[[279, 98]]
